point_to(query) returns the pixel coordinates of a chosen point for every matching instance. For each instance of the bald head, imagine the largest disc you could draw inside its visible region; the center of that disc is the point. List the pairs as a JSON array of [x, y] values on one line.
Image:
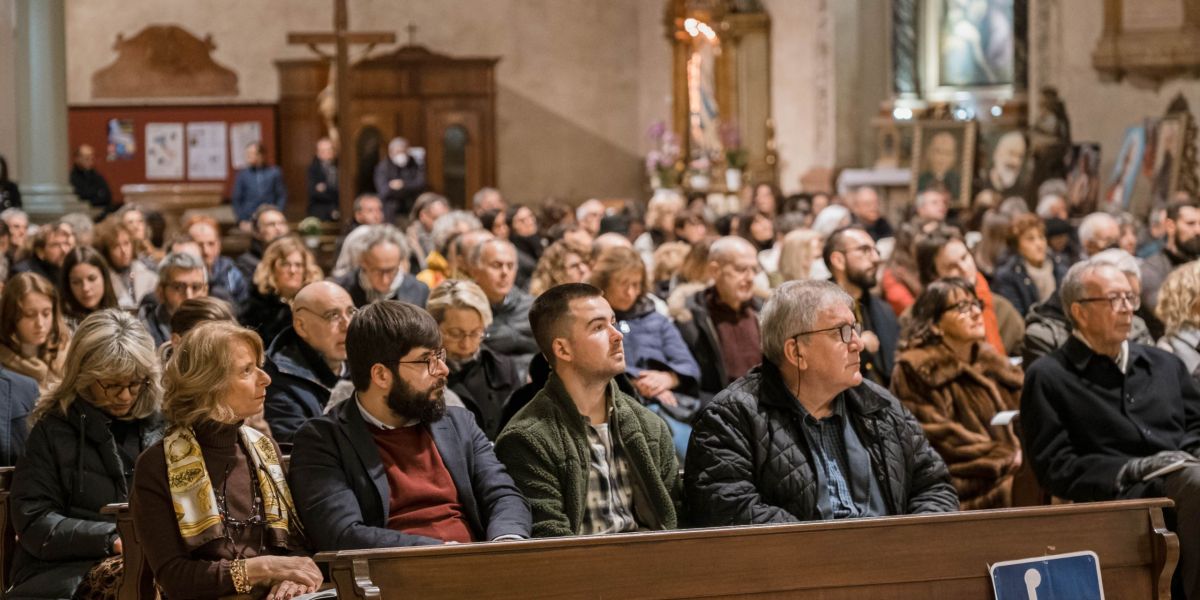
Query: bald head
[[321, 313], [730, 248], [733, 263], [608, 241]]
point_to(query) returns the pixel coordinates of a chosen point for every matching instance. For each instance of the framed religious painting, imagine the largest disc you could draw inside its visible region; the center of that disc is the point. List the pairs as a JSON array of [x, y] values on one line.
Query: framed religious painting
[[974, 46], [1122, 180], [1005, 166], [1083, 179], [944, 157], [1164, 154]]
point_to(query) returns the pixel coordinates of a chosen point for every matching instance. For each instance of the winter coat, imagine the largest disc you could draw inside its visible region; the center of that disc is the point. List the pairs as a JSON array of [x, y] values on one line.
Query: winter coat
[[545, 447], [652, 342], [225, 281], [1047, 329], [267, 314], [18, 394], [700, 335], [955, 402], [71, 469], [1185, 344], [485, 386], [155, 317], [410, 290], [255, 186], [301, 383], [749, 463], [510, 332], [1012, 281]]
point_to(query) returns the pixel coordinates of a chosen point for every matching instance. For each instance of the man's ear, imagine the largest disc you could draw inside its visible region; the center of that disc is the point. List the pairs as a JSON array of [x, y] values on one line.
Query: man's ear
[[837, 261], [714, 267], [561, 349], [1076, 311], [380, 376], [793, 352]]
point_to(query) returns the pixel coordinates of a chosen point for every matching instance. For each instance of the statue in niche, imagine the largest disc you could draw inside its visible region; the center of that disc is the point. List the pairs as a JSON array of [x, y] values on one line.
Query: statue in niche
[[976, 43], [1051, 138]]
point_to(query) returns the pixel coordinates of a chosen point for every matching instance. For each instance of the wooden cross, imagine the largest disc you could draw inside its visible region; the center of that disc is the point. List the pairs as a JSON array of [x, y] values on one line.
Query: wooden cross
[[342, 38], [412, 33]]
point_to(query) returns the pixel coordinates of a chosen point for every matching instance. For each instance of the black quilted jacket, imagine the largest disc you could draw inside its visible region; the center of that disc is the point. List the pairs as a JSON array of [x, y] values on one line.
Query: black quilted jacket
[[748, 461]]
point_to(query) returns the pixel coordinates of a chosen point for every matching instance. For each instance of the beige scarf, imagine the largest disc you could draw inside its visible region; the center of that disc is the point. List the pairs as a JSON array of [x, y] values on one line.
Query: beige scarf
[[192, 491]]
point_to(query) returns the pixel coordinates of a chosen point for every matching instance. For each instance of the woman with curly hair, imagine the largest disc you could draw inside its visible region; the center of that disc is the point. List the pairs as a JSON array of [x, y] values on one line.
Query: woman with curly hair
[[286, 267], [564, 261], [1179, 310]]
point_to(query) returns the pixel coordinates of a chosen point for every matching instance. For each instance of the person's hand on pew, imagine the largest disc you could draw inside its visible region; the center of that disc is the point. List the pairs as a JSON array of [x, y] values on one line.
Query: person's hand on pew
[[299, 573], [118, 547]]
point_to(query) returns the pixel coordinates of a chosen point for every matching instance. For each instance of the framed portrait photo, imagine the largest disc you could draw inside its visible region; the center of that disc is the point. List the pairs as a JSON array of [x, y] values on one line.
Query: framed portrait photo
[[944, 157], [1005, 168]]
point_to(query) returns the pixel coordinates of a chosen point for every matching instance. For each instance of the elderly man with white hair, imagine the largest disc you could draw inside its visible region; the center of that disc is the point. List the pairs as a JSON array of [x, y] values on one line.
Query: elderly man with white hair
[[803, 436], [1098, 232], [382, 272], [1106, 418], [1048, 328], [492, 263], [399, 179], [589, 214]]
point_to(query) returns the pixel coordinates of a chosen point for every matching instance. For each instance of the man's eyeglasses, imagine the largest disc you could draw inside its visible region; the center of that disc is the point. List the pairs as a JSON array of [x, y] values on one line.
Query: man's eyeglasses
[[114, 389], [847, 331], [865, 248], [1116, 300], [459, 335], [964, 307], [182, 287], [431, 362], [333, 317]]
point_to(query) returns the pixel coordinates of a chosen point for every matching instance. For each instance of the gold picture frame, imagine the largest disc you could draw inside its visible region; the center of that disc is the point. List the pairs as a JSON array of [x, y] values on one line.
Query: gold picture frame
[[944, 154]]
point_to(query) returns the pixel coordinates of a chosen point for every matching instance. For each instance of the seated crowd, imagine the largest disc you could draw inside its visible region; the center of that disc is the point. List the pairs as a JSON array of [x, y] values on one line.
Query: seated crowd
[[507, 372]]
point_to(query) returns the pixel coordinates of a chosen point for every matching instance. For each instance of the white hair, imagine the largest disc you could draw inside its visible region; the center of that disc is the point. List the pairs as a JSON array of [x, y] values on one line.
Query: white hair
[[1121, 260], [830, 219], [1092, 223], [587, 207]]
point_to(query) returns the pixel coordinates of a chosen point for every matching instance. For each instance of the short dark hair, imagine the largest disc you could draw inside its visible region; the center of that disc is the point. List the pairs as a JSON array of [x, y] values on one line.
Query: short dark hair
[[834, 243], [383, 333], [194, 311], [1174, 206], [262, 210], [549, 313]]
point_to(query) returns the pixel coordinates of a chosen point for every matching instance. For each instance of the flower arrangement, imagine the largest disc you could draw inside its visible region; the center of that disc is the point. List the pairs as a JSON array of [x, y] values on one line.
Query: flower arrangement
[[663, 164], [309, 226], [731, 140]]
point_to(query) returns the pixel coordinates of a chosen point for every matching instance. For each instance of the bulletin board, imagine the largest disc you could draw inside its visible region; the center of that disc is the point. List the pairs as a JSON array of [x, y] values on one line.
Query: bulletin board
[[189, 141]]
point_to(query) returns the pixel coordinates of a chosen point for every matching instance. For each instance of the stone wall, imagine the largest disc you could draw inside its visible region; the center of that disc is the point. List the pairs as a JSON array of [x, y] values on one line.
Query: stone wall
[[8, 80]]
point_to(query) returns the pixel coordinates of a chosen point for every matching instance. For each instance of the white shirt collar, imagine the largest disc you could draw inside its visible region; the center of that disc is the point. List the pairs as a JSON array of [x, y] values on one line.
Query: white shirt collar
[[372, 421]]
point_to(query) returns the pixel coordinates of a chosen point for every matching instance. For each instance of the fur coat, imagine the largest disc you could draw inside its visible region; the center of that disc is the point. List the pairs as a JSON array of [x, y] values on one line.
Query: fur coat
[[955, 403]]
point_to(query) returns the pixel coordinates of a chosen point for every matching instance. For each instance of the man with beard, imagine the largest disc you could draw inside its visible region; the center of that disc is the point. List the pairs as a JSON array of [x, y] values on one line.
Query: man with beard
[[1008, 160], [589, 457], [720, 323], [1182, 225], [851, 257], [393, 465]]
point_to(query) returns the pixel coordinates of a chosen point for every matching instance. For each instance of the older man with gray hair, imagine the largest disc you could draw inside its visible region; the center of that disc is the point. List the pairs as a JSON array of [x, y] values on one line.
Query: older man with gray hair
[[382, 272], [492, 263], [803, 436], [1107, 418], [399, 179], [181, 276]]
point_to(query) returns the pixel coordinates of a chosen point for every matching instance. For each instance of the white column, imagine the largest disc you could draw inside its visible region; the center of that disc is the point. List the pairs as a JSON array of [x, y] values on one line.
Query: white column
[[42, 110]]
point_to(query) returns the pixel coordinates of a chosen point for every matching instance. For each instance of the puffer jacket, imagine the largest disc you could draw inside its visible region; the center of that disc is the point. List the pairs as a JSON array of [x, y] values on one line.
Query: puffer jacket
[[71, 469], [748, 461]]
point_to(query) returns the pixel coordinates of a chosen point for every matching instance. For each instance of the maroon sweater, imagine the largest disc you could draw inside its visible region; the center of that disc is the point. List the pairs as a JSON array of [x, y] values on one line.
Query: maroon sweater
[[424, 500]]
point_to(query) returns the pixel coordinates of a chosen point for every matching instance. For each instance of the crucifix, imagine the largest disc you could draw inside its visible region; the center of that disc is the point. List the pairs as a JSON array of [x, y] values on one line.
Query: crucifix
[[341, 38]]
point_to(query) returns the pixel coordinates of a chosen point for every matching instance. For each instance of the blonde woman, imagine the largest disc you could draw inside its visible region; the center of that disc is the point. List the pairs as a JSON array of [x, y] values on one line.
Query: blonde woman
[[229, 526], [86, 435], [33, 334], [1179, 310], [286, 267], [801, 248], [563, 261]]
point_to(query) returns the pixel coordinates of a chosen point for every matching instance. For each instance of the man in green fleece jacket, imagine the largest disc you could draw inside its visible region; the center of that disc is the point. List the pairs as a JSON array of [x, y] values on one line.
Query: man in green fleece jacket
[[589, 458]]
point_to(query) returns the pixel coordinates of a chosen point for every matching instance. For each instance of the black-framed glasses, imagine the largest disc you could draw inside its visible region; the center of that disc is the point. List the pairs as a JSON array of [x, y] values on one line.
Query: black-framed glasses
[[114, 389], [334, 316], [431, 362], [459, 335], [1116, 300], [182, 287], [964, 307], [846, 331]]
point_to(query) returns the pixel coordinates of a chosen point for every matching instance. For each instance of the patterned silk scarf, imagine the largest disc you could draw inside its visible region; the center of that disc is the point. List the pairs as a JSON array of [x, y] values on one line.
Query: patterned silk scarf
[[192, 491]]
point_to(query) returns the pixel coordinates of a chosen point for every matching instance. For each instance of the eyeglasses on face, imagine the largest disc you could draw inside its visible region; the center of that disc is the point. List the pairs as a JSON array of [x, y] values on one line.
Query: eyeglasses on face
[[431, 362], [846, 331], [182, 287], [1115, 301], [333, 317], [964, 307], [114, 389], [458, 335]]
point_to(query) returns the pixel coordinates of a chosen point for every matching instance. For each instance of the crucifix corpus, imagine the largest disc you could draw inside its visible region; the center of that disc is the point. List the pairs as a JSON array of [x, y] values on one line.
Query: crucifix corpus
[[341, 38]]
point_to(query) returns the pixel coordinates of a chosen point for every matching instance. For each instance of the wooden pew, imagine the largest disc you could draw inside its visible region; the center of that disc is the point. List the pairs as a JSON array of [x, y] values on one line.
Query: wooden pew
[[137, 581], [8, 544], [922, 556]]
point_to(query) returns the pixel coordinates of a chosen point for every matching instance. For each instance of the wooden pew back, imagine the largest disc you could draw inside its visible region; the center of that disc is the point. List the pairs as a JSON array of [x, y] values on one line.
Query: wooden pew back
[[136, 581], [925, 556], [8, 541]]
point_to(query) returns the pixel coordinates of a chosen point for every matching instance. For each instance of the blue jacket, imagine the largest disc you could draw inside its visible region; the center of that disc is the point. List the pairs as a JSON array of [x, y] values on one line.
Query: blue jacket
[[1012, 281], [225, 281], [255, 186], [18, 393], [653, 343], [341, 490], [410, 290], [300, 385]]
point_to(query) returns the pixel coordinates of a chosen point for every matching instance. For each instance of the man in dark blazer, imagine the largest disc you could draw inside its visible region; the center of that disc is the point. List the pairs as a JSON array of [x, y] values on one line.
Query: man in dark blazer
[[382, 273], [1105, 418], [393, 465], [852, 258]]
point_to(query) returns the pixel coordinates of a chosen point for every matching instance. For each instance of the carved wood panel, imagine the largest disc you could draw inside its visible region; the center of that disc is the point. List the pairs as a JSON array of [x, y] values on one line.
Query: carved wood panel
[[164, 61]]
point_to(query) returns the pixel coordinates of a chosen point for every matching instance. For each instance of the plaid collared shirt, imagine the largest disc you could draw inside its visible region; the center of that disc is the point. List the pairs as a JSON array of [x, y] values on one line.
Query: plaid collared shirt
[[609, 491], [830, 452]]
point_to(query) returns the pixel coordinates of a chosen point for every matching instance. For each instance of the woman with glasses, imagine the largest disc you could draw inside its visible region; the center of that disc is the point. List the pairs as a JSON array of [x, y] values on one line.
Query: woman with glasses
[[286, 267], [33, 335], [213, 490], [954, 383], [482, 379], [564, 261], [80, 455]]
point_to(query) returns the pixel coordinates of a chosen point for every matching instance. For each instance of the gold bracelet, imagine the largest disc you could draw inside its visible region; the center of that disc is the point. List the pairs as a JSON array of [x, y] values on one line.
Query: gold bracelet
[[241, 583]]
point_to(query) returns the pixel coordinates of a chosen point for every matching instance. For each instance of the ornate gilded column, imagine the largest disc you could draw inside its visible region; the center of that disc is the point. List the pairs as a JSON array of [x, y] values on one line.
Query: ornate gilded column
[[42, 110]]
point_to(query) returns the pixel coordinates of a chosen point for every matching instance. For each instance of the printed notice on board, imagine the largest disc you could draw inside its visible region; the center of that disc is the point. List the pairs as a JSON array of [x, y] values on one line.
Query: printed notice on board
[[164, 151], [206, 151]]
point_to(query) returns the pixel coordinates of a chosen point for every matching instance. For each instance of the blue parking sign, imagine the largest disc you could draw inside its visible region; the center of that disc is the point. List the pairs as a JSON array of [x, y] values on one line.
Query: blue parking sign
[[1074, 576]]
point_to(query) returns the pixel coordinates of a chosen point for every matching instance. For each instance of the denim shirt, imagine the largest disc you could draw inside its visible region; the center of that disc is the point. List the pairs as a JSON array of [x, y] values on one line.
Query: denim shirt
[[846, 487]]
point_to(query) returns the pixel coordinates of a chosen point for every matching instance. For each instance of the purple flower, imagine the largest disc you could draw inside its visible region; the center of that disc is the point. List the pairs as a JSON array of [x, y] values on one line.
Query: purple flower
[[656, 130]]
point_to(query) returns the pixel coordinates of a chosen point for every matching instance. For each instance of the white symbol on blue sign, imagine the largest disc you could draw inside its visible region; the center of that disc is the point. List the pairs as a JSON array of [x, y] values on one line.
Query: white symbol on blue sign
[[1074, 576]]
